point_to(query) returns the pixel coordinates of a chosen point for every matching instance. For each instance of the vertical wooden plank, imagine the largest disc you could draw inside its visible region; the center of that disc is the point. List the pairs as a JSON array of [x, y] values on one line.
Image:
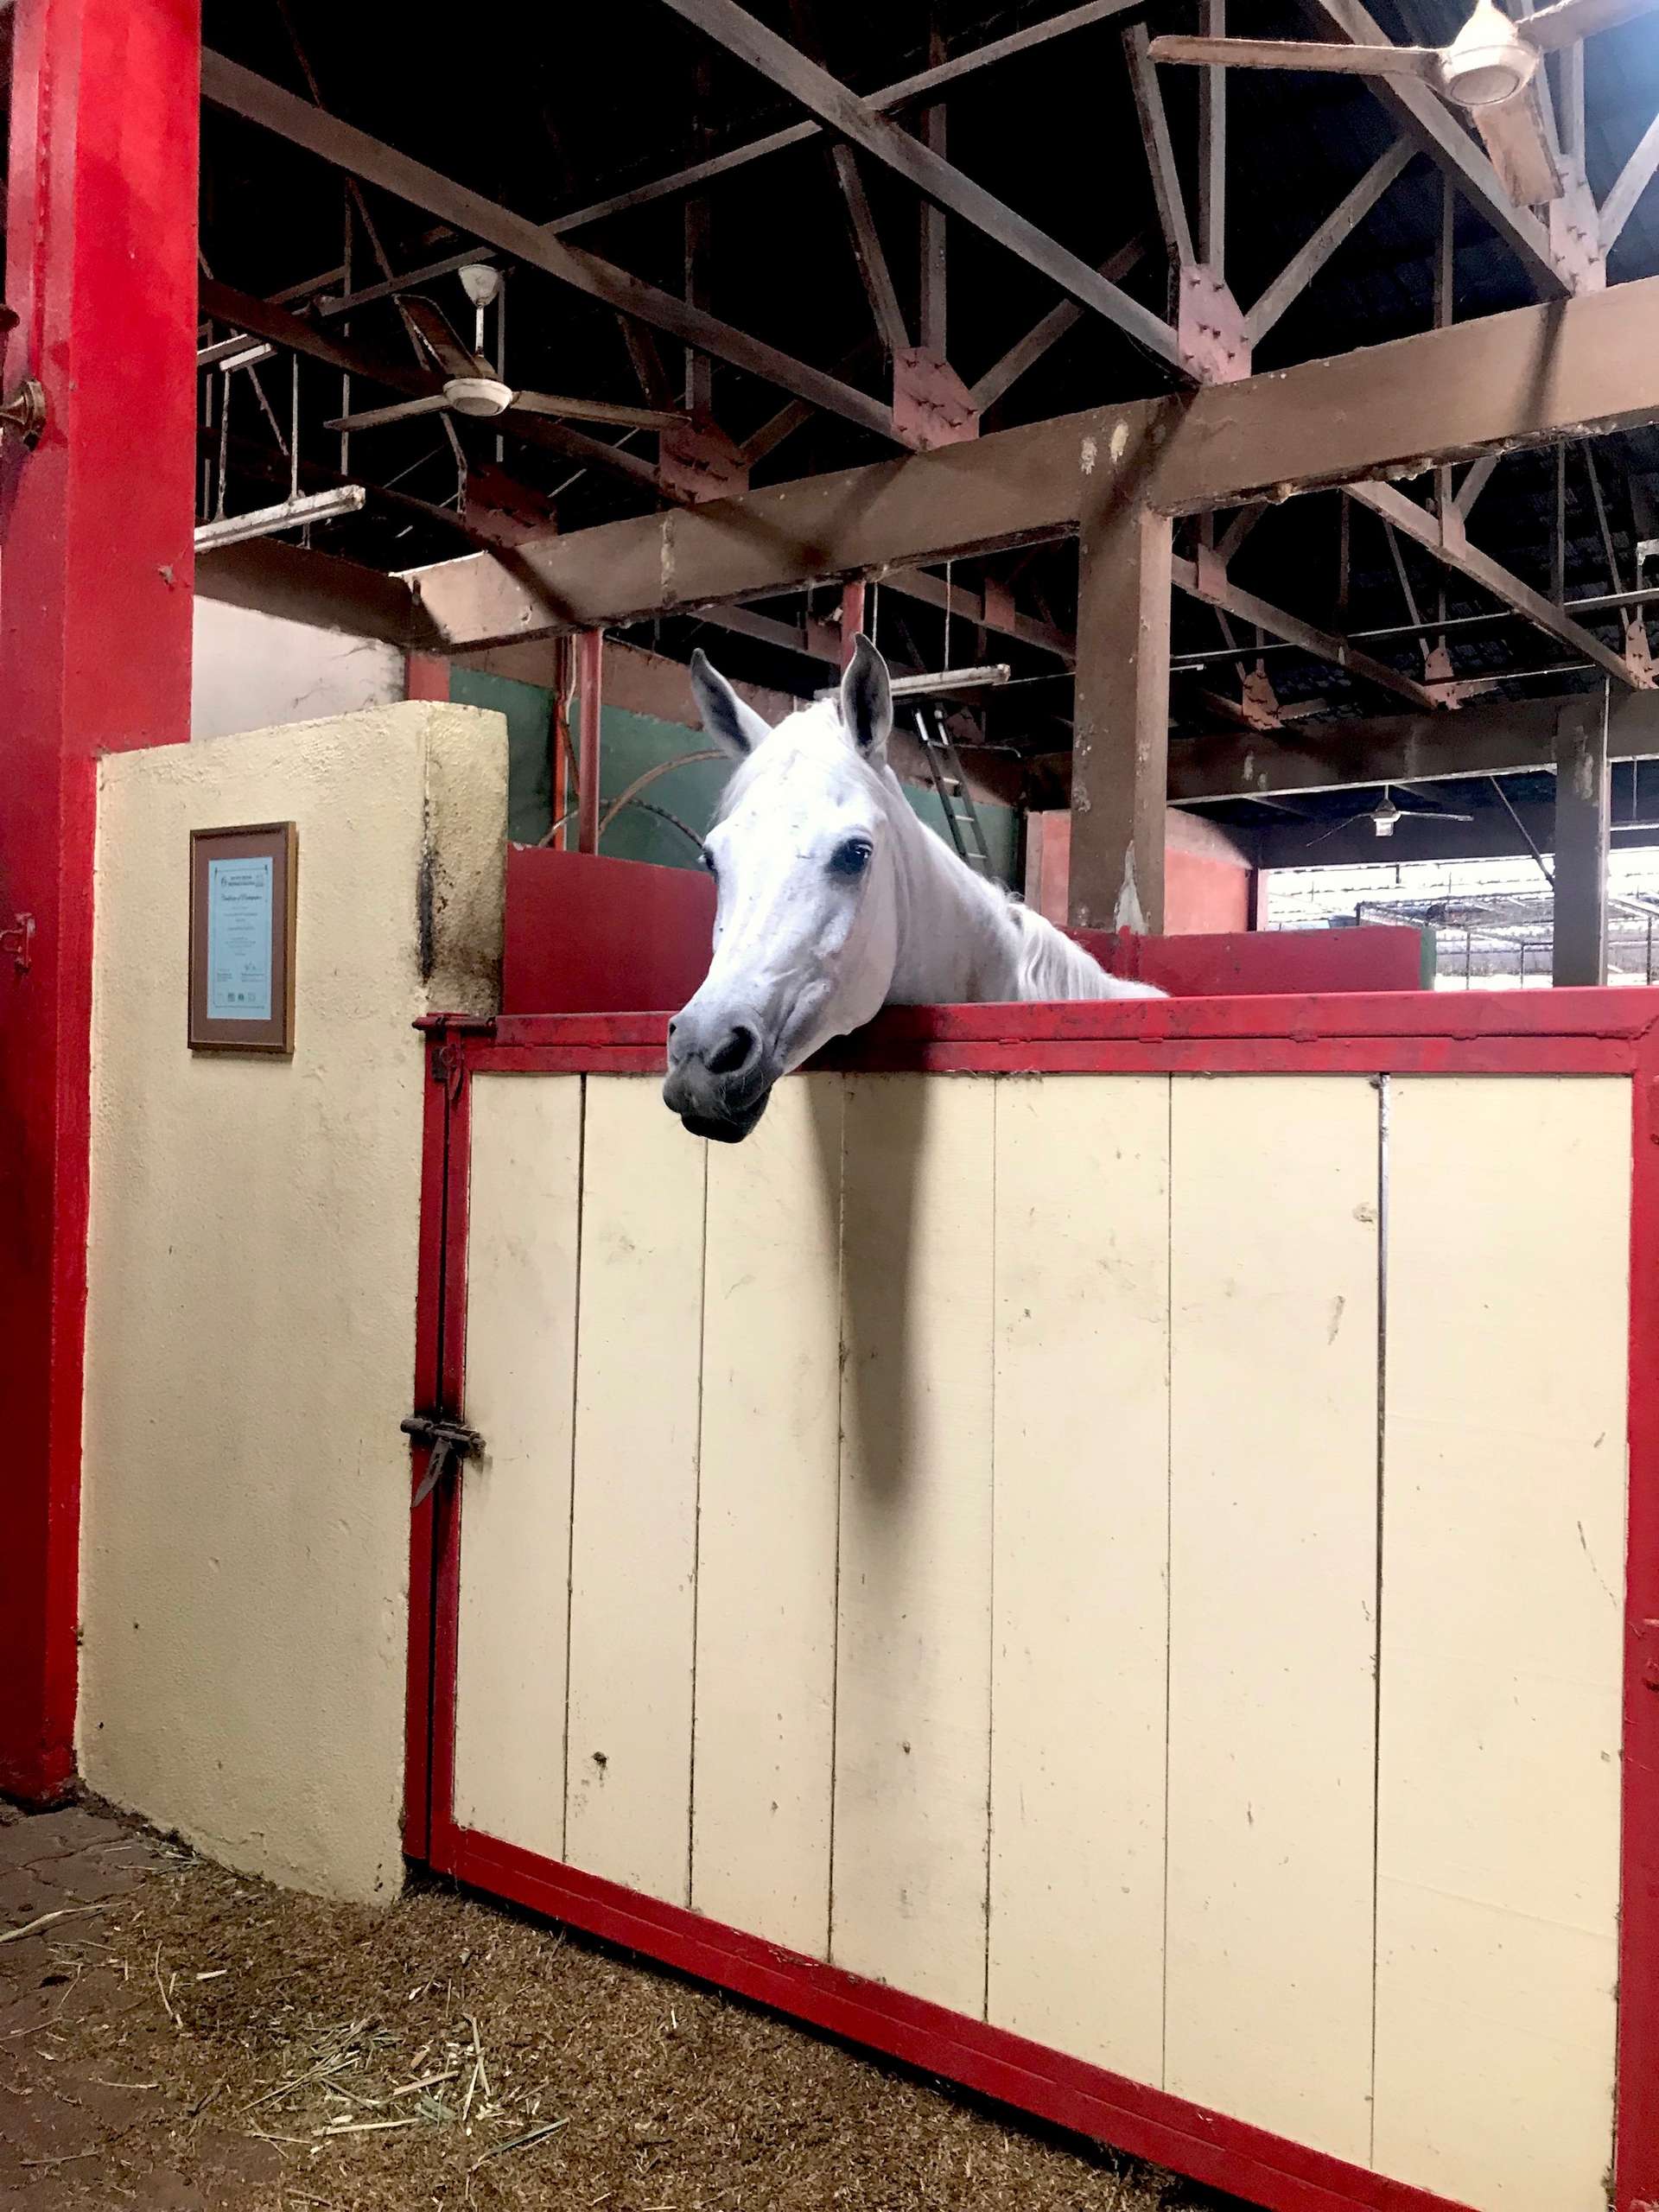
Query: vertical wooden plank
[[913, 1728], [633, 1529], [1273, 1581], [768, 1508], [1502, 1595], [1079, 1665], [523, 1213]]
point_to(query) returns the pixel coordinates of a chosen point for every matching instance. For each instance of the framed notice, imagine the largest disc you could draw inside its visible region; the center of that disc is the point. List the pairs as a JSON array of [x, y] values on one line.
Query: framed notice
[[242, 910]]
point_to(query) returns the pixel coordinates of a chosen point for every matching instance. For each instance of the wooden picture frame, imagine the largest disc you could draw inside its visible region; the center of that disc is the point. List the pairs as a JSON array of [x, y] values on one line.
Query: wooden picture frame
[[243, 887]]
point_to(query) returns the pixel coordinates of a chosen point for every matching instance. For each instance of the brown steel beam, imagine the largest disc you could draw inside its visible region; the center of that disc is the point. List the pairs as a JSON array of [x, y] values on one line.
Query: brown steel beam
[[227, 84], [812, 640], [1454, 551], [1202, 583], [1631, 182], [1301, 269], [796, 414], [1430, 124], [1160, 154], [274, 578], [1120, 740], [281, 326], [1582, 837], [844, 113], [1504, 382], [931, 291], [1027, 352], [1212, 147], [1509, 737], [984, 615], [264, 319], [737, 157], [868, 252]]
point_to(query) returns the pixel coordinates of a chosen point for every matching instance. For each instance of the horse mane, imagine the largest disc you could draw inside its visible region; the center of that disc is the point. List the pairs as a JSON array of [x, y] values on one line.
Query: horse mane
[[1051, 966]]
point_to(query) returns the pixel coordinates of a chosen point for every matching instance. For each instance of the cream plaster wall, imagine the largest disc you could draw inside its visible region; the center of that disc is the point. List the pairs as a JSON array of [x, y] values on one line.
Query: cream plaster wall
[[252, 1270]]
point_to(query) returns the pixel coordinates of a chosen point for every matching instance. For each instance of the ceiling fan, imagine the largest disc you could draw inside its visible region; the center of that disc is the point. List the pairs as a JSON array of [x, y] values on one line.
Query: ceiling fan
[[1385, 816], [471, 385], [1491, 69]]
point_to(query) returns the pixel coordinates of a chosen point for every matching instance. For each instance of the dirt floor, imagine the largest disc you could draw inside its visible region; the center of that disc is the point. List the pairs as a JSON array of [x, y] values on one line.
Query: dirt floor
[[176, 2038]]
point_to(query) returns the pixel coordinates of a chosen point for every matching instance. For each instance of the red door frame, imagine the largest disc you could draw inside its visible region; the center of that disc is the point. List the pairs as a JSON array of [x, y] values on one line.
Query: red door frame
[[96, 569], [1578, 1032]]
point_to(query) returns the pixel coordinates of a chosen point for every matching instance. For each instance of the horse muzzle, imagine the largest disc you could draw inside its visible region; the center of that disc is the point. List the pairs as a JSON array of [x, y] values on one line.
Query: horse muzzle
[[718, 1084]]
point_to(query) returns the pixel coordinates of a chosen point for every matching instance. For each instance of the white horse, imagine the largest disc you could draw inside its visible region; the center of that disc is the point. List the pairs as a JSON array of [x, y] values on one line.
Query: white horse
[[835, 900]]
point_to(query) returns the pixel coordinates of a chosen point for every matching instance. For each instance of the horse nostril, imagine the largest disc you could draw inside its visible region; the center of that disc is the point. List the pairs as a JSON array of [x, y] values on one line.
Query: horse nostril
[[733, 1054]]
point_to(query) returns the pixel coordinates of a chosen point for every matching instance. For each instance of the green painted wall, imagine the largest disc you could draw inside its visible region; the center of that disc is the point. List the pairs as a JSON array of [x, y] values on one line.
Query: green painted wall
[[631, 745], [529, 710]]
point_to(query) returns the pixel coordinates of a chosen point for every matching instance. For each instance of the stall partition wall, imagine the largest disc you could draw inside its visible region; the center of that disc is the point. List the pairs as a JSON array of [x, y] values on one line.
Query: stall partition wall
[[1092, 1553], [589, 934]]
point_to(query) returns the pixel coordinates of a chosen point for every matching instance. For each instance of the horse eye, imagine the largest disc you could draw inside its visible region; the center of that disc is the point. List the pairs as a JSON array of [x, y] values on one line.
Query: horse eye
[[852, 858], [708, 861]]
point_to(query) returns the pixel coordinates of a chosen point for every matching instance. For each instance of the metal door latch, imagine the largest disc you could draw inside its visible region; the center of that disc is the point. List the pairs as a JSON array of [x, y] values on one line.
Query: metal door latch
[[18, 939], [450, 1439], [23, 416]]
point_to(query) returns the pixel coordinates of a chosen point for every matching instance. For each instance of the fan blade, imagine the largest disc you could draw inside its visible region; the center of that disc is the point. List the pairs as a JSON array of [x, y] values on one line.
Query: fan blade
[[451, 356], [1568, 21], [1347, 822], [1300, 54], [597, 410], [1513, 135], [372, 417]]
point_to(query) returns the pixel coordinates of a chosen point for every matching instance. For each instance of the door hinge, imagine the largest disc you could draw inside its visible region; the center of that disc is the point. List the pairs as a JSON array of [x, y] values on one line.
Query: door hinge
[[448, 1440]]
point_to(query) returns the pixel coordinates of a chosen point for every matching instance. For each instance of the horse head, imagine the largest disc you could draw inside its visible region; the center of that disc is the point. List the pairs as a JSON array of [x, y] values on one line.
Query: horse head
[[806, 927]]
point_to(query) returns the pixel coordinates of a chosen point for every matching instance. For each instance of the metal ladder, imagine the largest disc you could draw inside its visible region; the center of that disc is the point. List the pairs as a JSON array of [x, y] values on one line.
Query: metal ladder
[[960, 817]]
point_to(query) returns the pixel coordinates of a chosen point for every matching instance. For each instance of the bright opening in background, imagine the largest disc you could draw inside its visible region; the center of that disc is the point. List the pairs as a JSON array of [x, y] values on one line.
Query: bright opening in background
[[1492, 919]]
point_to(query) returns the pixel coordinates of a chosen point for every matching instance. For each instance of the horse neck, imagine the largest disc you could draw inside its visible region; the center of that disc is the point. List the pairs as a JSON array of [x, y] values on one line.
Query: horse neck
[[957, 940]]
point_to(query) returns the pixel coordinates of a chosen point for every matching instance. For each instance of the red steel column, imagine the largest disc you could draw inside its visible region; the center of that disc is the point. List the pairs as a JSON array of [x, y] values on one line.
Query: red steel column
[[590, 663], [96, 570], [852, 618]]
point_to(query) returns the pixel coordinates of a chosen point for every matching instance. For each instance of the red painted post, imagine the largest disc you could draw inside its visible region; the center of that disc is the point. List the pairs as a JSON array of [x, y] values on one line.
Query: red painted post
[[96, 570], [426, 676], [852, 618], [590, 668]]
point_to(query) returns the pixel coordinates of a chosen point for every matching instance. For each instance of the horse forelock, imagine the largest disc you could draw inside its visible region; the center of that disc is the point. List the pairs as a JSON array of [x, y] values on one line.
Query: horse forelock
[[813, 734]]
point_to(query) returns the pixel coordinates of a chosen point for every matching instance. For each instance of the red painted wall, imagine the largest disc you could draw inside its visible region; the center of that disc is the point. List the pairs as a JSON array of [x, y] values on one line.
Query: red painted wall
[[1206, 879], [590, 935]]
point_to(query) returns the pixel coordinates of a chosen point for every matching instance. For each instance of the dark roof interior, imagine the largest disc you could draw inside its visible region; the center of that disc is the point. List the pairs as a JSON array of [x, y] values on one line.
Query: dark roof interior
[[554, 109]]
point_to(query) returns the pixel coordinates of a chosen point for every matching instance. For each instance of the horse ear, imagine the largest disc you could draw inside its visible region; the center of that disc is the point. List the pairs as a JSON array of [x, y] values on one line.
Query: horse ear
[[736, 728], [867, 701]]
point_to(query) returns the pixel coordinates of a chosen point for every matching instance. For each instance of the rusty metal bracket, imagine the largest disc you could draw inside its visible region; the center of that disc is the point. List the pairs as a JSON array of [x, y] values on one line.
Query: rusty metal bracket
[[18, 939], [1638, 655], [1575, 238], [932, 406], [1258, 701], [450, 1440], [1210, 329], [23, 416], [697, 462]]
